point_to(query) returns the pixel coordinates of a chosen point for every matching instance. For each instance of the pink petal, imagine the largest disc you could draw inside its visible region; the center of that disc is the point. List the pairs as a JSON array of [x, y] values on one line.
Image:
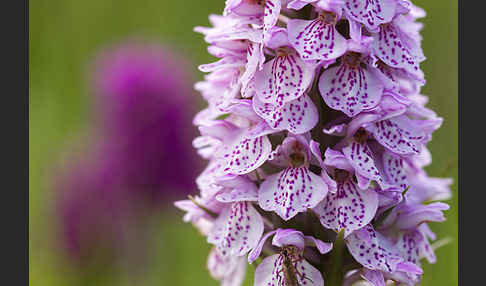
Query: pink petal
[[297, 116], [237, 277], [237, 195], [315, 39], [370, 13], [249, 90], [374, 277], [230, 270], [388, 199], [299, 4], [237, 189], [424, 188], [219, 265], [247, 154], [283, 79], [193, 212], [350, 89], [270, 16], [237, 230], [224, 63], [372, 250], [393, 48], [314, 148], [243, 108], [277, 38], [398, 134], [414, 245], [336, 159], [403, 278], [394, 169], [362, 159], [243, 8], [255, 57], [349, 208], [270, 273], [323, 247], [289, 236], [229, 34], [255, 252], [291, 191], [410, 216], [278, 158]]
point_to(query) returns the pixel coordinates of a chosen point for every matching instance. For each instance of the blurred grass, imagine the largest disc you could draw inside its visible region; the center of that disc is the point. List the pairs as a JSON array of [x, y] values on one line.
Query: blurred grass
[[64, 37]]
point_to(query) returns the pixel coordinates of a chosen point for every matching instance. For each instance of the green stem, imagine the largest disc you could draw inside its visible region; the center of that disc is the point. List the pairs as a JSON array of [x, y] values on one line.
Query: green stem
[[336, 265]]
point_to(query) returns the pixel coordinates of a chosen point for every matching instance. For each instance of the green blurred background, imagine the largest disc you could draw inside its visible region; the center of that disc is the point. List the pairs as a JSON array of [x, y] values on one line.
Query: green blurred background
[[66, 34]]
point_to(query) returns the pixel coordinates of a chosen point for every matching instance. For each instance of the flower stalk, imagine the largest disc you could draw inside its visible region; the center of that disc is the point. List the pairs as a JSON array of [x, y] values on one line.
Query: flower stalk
[[336, 271]]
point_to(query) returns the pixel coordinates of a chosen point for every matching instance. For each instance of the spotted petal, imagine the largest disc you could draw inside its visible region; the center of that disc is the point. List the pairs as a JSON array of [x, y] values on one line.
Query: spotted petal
[[388, 199], [374, 277], [414, 245], [372, 250], [315, 39], [349, 208], [297, 116], [361, 158], [291, 191], [398, 134], [395, 49], [230, 270], [237, 230], [270, 272], [255, 58], [237, 195], [409, 275], [270, 16], [350, 89], [236, 189], [371, 13], [247, 154], [283, 79], [394, 169], [220, 265]]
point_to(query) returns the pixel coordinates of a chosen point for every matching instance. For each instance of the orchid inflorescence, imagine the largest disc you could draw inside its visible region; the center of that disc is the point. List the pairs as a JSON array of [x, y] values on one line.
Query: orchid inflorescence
[[316, 135]]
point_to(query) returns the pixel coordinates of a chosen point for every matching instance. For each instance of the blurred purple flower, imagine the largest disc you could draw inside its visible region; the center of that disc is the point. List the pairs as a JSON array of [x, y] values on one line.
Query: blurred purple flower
[[142, 158], [145, 103]]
